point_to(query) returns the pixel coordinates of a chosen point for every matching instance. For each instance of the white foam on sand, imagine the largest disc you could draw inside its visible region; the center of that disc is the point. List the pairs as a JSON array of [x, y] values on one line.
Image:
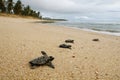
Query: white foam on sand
[[103, 32], [85, 29]]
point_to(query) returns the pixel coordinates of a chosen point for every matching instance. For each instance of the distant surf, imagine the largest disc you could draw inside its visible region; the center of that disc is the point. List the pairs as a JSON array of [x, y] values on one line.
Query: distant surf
[[105, 28]]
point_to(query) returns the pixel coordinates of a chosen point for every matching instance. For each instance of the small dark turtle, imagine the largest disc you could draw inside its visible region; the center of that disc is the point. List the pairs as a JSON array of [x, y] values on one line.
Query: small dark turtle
[[69, 41], [43, 60], [65, 46], [95, 39]]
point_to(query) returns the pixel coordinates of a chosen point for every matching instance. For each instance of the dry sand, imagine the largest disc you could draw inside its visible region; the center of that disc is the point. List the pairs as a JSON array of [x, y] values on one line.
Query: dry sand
[[22, 40]]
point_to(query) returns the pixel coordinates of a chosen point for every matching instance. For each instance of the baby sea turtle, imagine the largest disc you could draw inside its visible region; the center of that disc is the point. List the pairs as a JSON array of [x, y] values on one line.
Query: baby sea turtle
[[69, 41], [96, 39], [65, 46], [43, 60]]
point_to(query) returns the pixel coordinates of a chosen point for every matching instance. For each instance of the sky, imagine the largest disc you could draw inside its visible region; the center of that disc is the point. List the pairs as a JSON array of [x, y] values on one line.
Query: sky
[[78, 10]]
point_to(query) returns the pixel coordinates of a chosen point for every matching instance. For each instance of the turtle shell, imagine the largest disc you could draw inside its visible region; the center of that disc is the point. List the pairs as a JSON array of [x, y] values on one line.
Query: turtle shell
[[39, 61]]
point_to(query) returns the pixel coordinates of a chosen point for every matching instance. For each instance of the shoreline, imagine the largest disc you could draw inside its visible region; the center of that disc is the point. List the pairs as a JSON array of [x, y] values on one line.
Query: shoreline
[[22, 40], [91, 30]]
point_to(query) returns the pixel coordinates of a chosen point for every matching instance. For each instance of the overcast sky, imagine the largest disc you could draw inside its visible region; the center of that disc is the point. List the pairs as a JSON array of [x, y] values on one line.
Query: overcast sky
[[80, 10]]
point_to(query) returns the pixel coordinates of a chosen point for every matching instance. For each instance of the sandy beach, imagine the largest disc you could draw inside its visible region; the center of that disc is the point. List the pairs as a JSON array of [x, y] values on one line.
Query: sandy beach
[[22, 40]]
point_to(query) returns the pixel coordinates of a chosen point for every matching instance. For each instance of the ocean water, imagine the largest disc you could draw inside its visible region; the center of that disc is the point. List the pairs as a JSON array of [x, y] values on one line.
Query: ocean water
[[100, 27]]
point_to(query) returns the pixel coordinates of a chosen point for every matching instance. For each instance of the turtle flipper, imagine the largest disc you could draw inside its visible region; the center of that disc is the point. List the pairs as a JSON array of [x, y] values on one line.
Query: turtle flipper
[[50, 65], [44, 53]]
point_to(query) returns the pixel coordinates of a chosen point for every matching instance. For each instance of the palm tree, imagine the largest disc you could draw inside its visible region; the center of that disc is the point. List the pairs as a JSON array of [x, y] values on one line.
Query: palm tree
[[2, 6], [18, 7], [10, 6]]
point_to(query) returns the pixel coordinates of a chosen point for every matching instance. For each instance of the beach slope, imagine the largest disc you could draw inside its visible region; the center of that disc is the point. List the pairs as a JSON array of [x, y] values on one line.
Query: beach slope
[[22, 40]]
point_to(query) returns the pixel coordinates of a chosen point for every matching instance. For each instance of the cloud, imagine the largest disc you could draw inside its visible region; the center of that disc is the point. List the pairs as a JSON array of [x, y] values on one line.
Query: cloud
[[53, 5], [82, 17], [83, 9], [73, 6]]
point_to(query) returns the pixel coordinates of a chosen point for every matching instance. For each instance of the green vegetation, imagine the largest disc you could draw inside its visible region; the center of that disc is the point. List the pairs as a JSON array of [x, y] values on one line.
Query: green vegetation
[[10, 7], [27, 11], [18, 9], [2, 6]]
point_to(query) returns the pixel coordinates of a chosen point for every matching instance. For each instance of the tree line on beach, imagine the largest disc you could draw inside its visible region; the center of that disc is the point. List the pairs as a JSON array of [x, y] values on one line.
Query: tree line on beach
[[18, 8]]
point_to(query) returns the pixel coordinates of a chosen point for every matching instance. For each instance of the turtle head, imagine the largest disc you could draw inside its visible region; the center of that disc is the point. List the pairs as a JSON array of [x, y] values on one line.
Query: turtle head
[[69, 46], [51, 58]]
